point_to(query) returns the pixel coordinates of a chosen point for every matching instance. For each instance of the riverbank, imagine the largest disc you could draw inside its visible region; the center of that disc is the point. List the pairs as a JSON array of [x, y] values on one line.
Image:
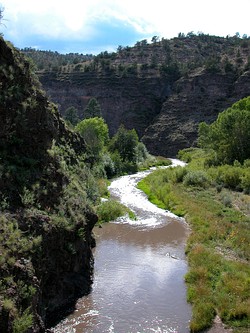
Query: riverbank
[[217, 249]]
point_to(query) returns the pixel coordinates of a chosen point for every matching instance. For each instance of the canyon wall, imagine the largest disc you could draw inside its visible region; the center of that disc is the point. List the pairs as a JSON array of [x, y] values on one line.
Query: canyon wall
[[163, 90]]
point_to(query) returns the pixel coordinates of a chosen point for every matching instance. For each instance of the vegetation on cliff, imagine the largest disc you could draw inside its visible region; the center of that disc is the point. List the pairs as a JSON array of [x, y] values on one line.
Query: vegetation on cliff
[[214, 198], [47, 195], [173, 58]]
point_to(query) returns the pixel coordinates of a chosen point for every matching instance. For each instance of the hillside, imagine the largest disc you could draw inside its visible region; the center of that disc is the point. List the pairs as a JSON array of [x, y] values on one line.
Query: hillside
[[163, 89], [46, 217]]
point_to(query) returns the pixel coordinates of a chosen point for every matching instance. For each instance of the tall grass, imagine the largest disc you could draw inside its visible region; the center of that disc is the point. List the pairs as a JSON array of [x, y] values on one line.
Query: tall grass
[[218, 248]]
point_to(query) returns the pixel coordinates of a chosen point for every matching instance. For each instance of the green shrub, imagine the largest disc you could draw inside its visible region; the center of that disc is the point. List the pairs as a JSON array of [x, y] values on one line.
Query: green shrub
[[227, 176], [245, 181], [227, 200], [28, 197], [231, 176], [178, 174], [109, 165], [229, 135], [196, 178], [117, 163], [141, 152], [8, 305], [110, 210], [23, 323], [246, 163]]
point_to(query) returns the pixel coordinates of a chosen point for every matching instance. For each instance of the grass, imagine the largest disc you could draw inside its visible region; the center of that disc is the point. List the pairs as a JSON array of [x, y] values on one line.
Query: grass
[[110, 210], [218, 248]]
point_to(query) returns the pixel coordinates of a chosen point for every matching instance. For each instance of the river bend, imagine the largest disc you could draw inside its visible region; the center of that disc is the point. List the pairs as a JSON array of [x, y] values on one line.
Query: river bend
[[139, 271]]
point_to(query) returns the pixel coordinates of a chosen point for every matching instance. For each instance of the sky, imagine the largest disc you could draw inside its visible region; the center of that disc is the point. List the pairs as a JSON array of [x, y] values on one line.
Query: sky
[[94, 26]]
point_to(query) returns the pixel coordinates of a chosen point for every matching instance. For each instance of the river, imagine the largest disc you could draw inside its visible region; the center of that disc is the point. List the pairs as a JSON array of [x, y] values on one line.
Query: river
[[139, 271]]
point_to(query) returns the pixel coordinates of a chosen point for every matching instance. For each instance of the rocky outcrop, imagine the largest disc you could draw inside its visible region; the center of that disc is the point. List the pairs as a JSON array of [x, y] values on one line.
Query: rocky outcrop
[[131, 101], [63, 266], [45, 216], [195, 99]]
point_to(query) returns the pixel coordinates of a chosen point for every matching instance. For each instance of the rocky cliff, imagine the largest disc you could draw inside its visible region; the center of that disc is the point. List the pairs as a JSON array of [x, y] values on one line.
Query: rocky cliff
[[163, 89], [200, 97], [45, 205]]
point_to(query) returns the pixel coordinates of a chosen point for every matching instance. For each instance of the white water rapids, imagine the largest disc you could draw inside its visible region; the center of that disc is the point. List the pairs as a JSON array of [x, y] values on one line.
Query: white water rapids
[[124, 189]]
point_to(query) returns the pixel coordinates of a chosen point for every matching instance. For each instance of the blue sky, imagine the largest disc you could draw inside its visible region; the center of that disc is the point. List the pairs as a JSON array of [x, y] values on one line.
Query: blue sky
[[92, 26]]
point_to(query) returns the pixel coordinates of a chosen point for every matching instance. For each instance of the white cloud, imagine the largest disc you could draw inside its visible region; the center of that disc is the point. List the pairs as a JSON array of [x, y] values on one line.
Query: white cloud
[[81, 19]]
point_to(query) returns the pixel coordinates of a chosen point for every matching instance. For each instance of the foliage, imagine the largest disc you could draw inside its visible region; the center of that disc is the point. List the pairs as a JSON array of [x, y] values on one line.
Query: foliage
[[23, 323], [125, 143], [212, 64], [158, 187], [110, 210], [49, 60], [71, 115], [196, 178], [15, 245], [141, 152], [81, 187], [126, 154], [109, 165], [172, 70], [1, 14], [96, 135], [229, 135], [245, 181], [93, 109]]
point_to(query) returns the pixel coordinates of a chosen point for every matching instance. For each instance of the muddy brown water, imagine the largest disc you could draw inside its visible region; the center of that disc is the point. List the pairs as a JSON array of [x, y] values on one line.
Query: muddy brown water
[[139, 272]]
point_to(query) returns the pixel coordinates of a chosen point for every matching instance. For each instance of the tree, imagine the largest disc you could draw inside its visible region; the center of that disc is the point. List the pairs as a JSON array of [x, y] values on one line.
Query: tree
[[93, 109], [96, 135], [125, 143], [229, 135], [141, 152], [155, 39], [119, 49], [181, 35], [71, 115], [1, 14]]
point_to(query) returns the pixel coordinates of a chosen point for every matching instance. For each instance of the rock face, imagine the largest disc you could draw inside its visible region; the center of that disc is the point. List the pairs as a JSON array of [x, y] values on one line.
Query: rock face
[[200, 98], [45, 220], [131, 101], [163, 90]]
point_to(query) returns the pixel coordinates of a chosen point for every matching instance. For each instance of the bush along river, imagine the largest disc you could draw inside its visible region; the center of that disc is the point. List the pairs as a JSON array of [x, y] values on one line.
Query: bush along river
[[139, 271]]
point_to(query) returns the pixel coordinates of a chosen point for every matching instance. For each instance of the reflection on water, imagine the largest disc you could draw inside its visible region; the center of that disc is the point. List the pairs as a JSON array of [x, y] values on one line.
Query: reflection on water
[[139, 269]]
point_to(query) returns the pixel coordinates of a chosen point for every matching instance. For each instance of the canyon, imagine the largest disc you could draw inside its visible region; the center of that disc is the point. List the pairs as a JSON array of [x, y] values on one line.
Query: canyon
[[163, 90]]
